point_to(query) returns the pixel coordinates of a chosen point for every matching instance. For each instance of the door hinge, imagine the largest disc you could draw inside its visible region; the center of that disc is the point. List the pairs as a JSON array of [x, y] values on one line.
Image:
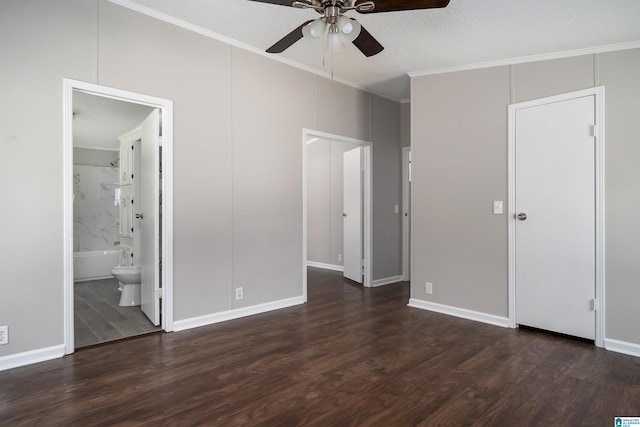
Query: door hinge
[[362, 266], [594, 304], [594, 131], [159, 293]]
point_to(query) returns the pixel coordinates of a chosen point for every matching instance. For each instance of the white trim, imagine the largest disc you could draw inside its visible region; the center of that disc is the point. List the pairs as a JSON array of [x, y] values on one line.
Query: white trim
[[325, 266], [166, 106], [386, 281], [406, 220], [367, 148], [241, 45], [460, 312], [67, 209], [209, 319], [632, 349], [532, 58], [367, 151], [598, 93], [29, 357]]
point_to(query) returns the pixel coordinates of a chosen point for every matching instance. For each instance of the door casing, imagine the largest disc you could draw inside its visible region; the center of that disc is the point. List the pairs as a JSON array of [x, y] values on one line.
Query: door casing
[[598, 93], [406, 213], [166, 107]]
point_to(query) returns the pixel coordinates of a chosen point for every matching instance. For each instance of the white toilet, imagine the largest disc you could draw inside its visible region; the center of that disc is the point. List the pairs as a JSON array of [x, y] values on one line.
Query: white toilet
[[129, 277]]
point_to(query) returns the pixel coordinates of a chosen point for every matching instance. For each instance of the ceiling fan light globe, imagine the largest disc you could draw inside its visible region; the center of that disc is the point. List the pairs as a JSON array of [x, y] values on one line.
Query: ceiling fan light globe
[[344, 25], [353, 32], [317, 28]]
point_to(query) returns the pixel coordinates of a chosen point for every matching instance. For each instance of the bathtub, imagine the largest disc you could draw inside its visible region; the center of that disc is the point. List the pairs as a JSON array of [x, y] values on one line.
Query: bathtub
[[94, 265]]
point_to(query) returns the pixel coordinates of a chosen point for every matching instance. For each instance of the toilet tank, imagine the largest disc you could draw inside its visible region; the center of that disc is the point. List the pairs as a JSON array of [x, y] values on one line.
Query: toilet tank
[[126, 255]]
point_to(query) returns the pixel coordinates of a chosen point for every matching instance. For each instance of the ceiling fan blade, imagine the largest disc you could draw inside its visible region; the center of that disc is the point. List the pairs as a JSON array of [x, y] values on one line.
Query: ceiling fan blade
[[286, 42], [368, 45], [278, 2], [399, 5]]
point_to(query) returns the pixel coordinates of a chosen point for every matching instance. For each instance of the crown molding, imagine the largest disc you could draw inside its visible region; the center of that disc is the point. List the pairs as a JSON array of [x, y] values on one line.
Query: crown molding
[[532, 58], [241, 45]]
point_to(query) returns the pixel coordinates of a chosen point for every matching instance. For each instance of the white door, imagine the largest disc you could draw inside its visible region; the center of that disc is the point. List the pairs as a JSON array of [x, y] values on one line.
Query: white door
[[555, 220], [149, 209], [352, 214]]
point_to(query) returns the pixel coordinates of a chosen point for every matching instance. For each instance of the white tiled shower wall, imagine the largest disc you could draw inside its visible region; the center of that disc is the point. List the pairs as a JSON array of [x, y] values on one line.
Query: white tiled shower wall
[[95, 215]]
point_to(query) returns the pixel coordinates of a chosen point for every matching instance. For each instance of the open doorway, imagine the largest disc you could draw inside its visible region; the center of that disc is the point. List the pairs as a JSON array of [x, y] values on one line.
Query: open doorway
[[118, 214], [337, 233]]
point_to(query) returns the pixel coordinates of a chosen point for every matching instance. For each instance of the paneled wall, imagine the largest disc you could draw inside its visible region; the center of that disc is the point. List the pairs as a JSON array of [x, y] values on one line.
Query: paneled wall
[[459, 158], [238, 120]]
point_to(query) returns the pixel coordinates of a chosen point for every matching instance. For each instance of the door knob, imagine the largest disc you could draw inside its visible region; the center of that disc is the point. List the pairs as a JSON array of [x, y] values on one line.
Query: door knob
[[522, 216], [140, 216], [344, 215]]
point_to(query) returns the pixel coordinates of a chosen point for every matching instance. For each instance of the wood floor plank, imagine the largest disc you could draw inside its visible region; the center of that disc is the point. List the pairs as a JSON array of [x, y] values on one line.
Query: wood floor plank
[[350, 356]]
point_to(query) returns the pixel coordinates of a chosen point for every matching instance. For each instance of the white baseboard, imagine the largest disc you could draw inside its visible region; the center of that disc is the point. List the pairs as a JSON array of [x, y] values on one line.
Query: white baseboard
[[325, 266], [386, 281], [624, 347], [209, 319], [29, 357], [460, 312]]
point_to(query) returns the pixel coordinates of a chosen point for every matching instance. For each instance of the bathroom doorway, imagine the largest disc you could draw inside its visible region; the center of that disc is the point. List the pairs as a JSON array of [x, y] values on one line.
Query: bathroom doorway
[[118, 211]]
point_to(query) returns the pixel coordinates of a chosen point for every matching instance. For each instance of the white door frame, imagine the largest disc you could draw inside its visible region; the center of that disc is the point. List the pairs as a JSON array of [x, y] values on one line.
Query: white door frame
[[368, 201], [406, 214], [166, 106], [598, 93]]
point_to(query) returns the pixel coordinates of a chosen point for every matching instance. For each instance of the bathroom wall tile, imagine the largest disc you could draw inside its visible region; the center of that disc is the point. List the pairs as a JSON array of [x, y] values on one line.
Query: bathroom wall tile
[[95, 216]]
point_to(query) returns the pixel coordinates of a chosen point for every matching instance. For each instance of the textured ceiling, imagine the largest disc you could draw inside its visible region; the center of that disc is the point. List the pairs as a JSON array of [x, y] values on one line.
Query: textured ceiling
[[465, 32], [99, 121]]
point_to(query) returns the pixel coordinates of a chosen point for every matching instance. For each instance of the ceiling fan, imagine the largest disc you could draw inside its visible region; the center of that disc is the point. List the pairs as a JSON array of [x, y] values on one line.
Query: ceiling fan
[[337, 28]]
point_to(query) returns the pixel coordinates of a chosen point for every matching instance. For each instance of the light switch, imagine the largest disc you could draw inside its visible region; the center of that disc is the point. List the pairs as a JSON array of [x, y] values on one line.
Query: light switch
[[497, 207], [397, 209]]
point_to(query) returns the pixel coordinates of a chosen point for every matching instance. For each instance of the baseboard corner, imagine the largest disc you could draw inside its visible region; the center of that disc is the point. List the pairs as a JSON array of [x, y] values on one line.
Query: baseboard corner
[[624, 347]]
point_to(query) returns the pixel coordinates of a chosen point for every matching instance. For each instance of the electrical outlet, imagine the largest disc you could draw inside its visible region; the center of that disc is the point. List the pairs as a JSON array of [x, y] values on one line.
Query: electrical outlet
[[4, 335], [239, 293], [339, 257], [428, 288]]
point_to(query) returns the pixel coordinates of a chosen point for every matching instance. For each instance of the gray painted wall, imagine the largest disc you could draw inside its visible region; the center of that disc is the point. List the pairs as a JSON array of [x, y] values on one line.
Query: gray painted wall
[[405, 124], [459, 154], [238, 118], [387, 185]]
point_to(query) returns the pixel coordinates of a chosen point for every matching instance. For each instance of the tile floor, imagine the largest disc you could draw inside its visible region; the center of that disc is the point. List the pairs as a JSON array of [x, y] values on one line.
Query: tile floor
[[98, 317]]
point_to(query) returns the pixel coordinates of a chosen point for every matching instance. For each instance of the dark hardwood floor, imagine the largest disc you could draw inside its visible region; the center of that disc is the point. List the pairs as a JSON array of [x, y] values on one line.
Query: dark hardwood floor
[[350, 356]]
